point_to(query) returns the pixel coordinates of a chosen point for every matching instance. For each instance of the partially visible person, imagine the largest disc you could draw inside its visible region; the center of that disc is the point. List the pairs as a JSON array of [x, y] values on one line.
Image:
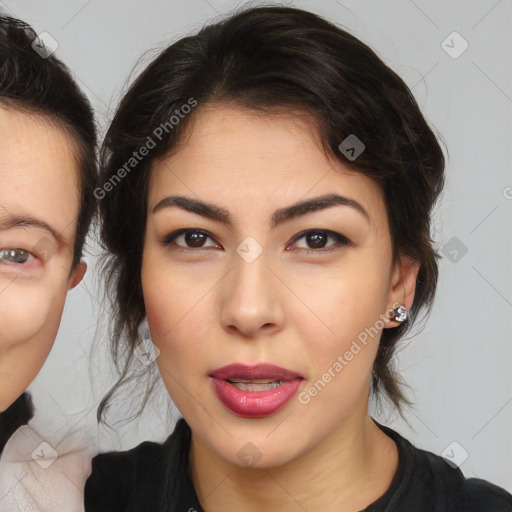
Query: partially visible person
[[47, 174]]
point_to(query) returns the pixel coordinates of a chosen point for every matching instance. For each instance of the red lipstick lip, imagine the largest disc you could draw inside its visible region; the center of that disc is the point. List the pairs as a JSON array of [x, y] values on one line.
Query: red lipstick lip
[[258, 371], [254, 404]]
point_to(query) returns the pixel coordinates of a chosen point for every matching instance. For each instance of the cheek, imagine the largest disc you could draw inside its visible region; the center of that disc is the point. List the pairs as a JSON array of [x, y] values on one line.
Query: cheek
[[345, 300], [172, 294], [160, 302], [179, 314], [25, 311], [171, 306], [343, 336], [30, 318]]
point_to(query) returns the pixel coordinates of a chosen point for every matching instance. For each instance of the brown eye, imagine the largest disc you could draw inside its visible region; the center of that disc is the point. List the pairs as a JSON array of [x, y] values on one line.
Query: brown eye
[[191, 238], [195, 239], [318, 239]]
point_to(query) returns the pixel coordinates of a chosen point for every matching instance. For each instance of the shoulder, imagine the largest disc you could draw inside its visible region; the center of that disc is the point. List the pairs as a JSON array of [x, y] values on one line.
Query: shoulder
[[30, 467], [460, 493], [430, 482], [128, 466], [116, 475], [476, 495], [19, 413], [119, 480]]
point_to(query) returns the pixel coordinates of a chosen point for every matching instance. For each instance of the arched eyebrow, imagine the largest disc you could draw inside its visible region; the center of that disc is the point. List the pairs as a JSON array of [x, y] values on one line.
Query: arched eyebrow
[[280, 216], [13, 221]]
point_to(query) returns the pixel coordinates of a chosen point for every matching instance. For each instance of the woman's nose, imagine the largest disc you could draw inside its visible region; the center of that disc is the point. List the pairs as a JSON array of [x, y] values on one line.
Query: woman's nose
[[250, 296]]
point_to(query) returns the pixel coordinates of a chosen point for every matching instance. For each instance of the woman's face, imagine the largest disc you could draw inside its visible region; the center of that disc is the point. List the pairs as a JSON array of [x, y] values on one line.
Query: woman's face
[[38, 211], [255, 282]]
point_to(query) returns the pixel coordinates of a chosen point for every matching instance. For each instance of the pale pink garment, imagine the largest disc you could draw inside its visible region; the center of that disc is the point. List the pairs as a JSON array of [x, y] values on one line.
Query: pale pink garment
[[36, 476]]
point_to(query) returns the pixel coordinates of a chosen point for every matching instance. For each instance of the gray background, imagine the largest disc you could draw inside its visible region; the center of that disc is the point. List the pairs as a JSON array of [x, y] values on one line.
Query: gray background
[[459, 365]]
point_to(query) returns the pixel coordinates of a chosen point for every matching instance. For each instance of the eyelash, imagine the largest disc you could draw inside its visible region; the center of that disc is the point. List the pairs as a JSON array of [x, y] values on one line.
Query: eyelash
[[340, 239]]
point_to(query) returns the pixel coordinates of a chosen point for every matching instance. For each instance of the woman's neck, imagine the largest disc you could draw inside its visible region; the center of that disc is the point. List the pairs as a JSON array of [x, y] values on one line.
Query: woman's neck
[[350, 469]]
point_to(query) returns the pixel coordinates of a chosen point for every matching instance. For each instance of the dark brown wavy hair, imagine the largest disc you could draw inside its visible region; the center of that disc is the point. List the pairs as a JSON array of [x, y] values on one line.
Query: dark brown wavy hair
[[272, 59]]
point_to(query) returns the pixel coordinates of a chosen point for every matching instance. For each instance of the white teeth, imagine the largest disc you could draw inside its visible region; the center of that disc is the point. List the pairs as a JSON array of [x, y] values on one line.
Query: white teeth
[[255, 385], [254, 381]]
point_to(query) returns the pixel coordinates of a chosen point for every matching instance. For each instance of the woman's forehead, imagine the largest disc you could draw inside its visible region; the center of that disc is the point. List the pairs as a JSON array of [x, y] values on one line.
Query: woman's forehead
[[241, 160]]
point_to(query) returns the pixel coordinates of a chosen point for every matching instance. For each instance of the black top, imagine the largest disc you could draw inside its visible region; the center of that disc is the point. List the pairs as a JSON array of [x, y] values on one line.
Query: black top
[[154, 477], [18, 414]]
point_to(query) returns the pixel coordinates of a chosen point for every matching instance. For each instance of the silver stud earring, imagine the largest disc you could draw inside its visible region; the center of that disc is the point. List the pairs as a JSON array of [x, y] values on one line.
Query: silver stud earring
[[400, 314]]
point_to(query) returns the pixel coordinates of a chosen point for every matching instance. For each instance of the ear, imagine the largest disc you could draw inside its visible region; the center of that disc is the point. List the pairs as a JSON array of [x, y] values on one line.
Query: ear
[[77, 275], [403, 286]]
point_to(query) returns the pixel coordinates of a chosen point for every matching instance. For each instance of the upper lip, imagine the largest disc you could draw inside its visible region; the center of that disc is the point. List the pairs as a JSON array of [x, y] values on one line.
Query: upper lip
[[257, 371]]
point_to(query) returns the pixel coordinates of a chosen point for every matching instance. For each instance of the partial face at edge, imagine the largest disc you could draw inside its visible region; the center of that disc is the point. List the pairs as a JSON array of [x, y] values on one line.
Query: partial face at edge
[[207, 306], [38, 181]]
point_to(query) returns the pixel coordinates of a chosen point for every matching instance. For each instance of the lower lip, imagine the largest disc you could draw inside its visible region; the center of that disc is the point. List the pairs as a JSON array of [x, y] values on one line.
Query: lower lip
[[254, 404]]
